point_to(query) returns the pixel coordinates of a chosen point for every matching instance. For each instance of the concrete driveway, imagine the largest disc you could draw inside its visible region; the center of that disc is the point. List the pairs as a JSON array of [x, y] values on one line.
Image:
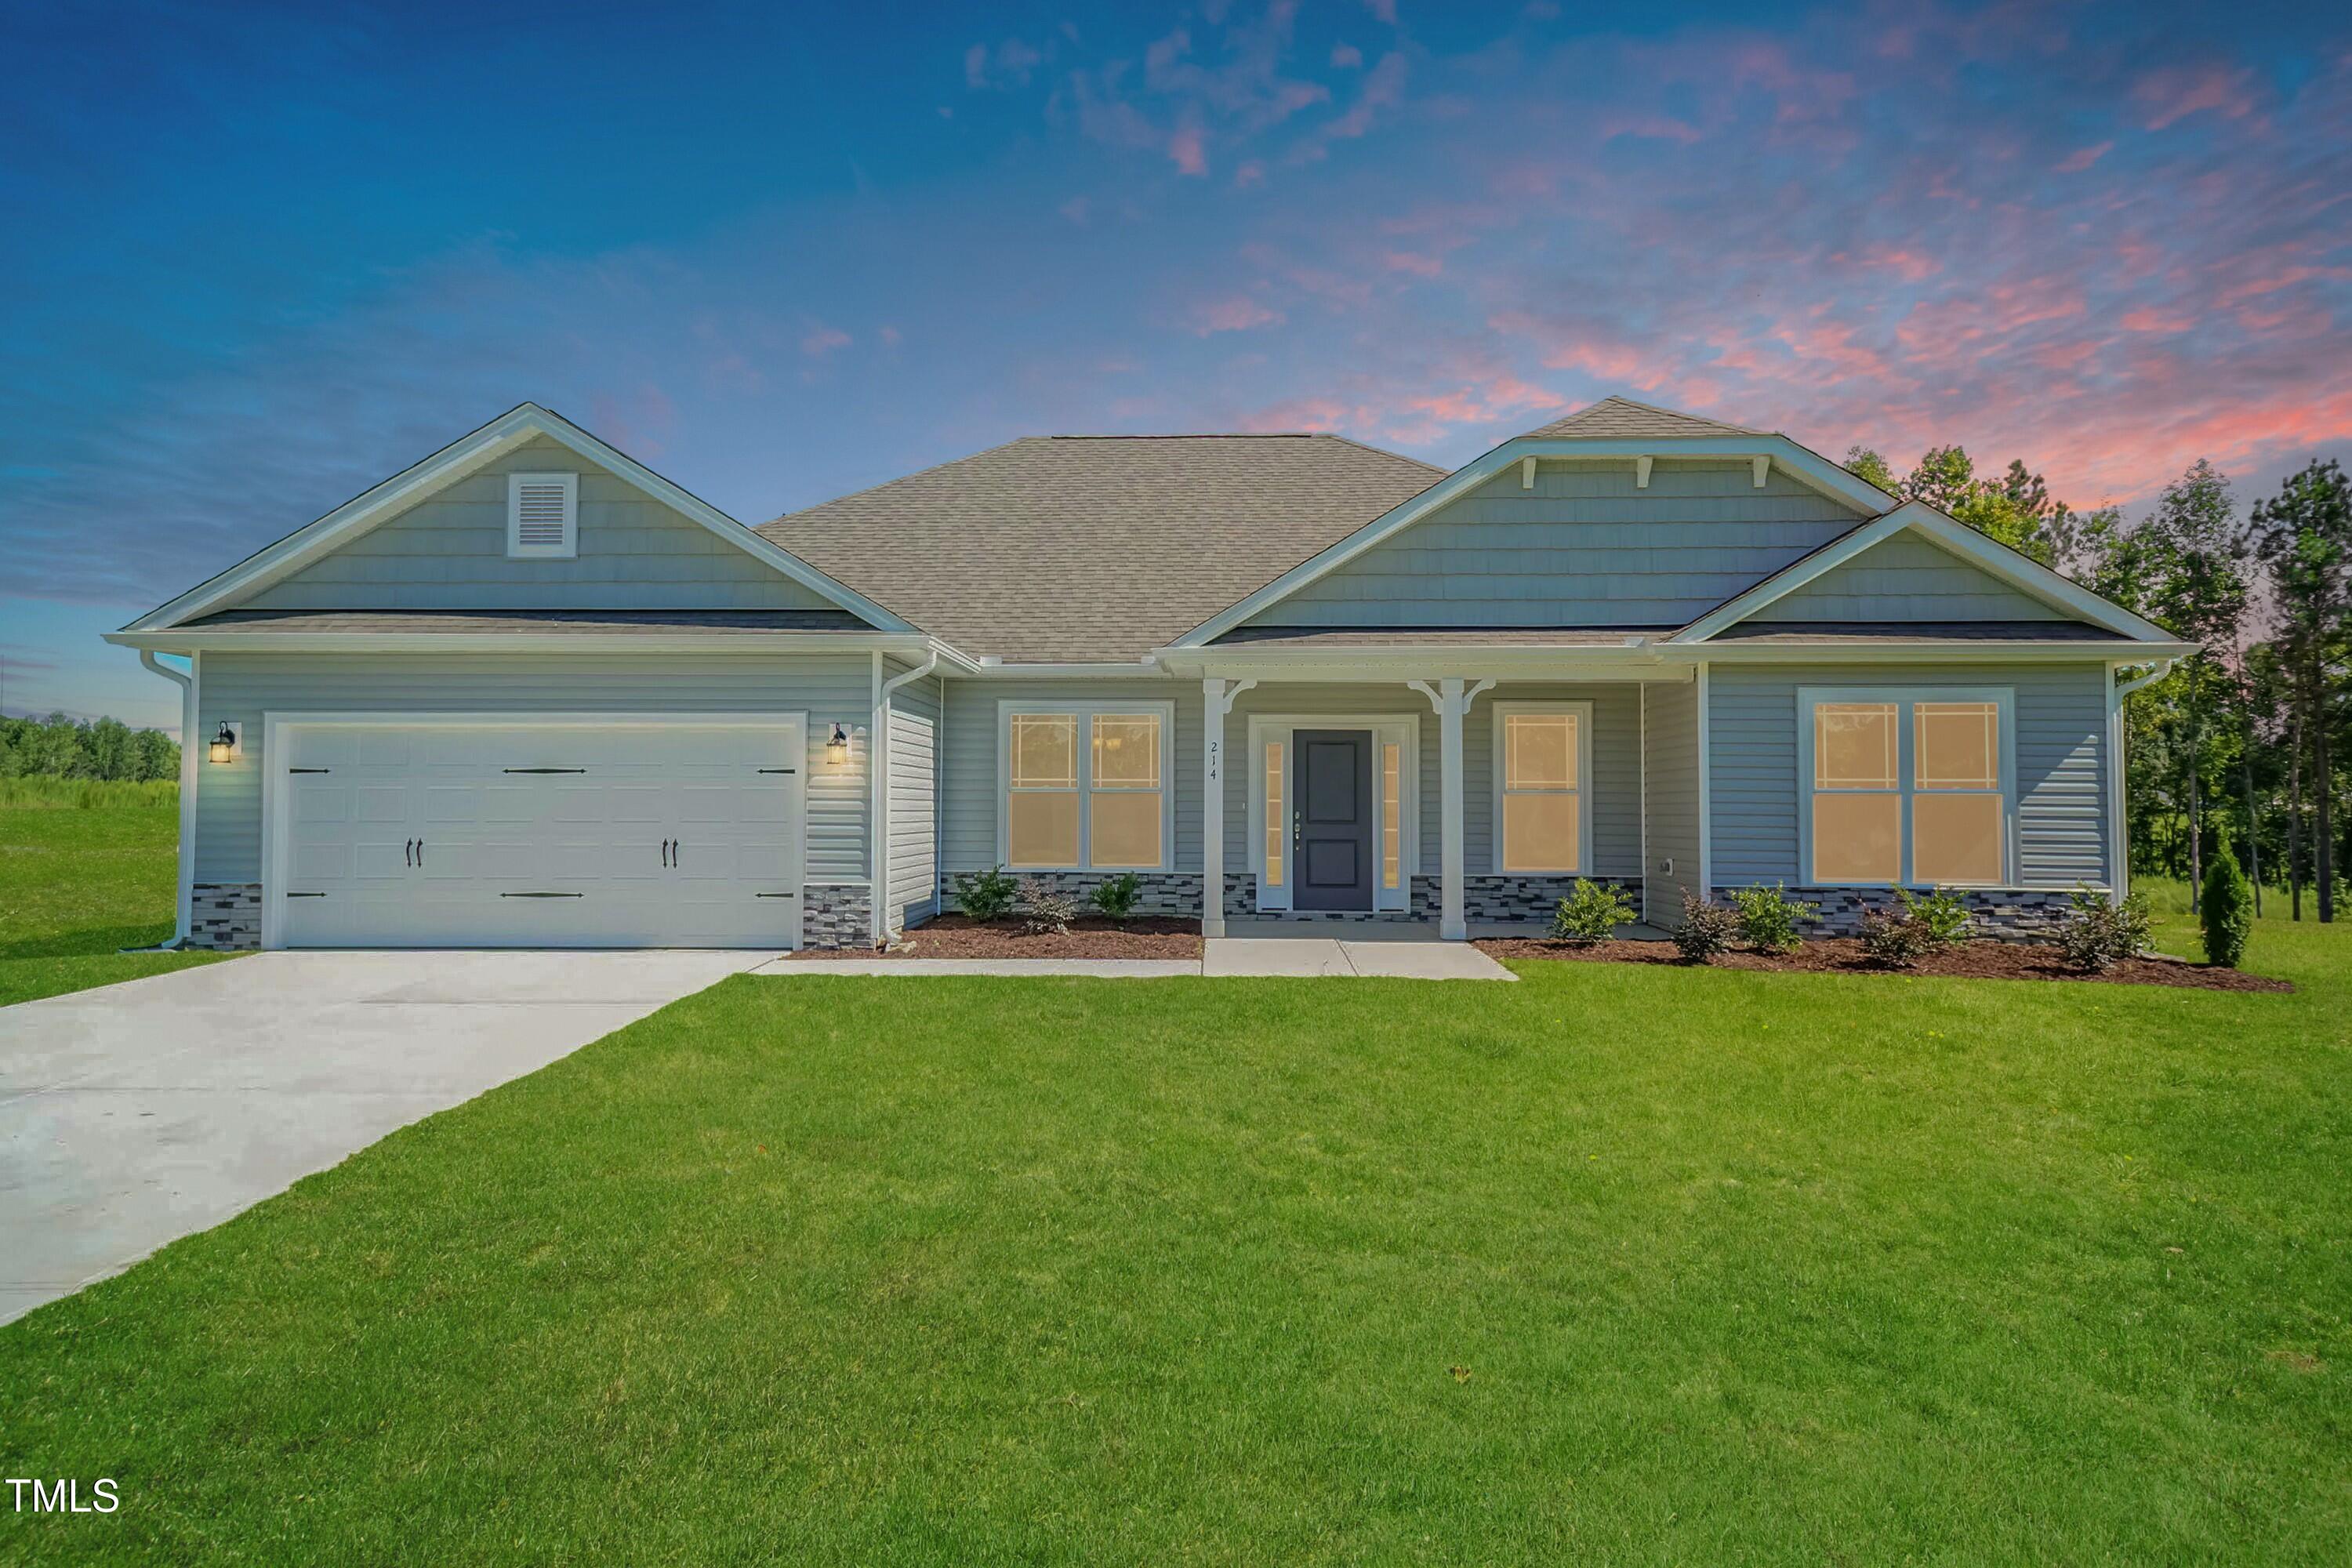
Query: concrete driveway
[[138, 1113]]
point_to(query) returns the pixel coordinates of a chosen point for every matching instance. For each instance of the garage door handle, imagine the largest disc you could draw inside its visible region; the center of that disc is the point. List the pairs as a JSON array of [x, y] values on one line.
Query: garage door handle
[[543, 895], [310, 769], [775, 895], [546, 770], [780, 770]]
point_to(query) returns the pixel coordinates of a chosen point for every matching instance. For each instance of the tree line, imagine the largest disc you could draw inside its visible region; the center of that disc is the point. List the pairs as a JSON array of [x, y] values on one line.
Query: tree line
[[57, 747], [2243, 741]]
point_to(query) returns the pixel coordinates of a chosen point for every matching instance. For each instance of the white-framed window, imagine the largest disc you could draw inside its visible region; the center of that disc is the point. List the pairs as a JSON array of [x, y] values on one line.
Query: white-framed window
[[1543, 787], [543, 516], [1084, 786], [1913, 785]]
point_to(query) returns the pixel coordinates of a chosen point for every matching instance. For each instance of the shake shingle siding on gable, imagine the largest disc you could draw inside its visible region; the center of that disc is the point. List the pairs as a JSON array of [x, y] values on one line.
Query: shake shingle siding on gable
[[449, 553], [1585, 547], [1907, 579]]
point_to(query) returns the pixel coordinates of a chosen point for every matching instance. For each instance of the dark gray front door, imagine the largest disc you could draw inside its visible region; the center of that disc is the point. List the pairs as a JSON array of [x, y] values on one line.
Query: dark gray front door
[[1331, 821]]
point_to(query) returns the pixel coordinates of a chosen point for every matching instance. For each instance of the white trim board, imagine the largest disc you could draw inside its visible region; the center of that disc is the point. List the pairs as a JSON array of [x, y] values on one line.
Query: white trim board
[[2025, 574], [1809, 467], [523, 423]]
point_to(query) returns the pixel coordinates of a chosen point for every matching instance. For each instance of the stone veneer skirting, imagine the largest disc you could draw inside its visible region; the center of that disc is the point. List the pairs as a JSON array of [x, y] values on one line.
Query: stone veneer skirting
[[834, 915], [227, 917], [1483, 898], [224, 917], [2010, 914]]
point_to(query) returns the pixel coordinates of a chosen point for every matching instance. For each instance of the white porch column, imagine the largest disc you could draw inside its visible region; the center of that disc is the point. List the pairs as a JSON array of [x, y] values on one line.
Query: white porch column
[[1451, 703], [1450, 923], [1216, 702]]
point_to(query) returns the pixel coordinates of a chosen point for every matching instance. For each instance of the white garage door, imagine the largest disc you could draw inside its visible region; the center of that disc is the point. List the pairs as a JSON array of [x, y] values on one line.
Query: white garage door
[[523, 834]]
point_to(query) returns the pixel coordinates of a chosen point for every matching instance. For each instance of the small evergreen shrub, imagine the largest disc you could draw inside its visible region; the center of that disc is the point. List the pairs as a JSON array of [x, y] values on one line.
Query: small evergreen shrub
[[1707, 928], [1045, 909], [1768, 917], [2227, 910], [2096, 932], [985, 896], [1117, 896], [1591, 914]]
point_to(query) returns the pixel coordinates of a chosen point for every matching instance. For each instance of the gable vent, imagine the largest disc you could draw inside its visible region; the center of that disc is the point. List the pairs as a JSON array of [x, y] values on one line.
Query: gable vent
[[542, 515]]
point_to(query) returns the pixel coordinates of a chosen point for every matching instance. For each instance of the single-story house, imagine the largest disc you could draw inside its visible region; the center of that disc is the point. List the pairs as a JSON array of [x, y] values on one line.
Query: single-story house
[[529, 692]]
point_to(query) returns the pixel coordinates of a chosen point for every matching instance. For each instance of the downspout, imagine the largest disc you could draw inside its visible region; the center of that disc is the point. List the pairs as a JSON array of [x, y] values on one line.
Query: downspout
[[2119, 831], [879, 748], [185, 901]]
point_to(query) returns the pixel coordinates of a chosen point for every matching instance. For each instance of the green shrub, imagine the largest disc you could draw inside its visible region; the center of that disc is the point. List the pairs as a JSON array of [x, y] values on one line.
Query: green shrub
[[2098, 932], [1768, 917], [1591, 914], [1941, 916], [1045, 908], [1118, 896], [1707, 928], [2227, 910], [1916, 928], [985, 896]]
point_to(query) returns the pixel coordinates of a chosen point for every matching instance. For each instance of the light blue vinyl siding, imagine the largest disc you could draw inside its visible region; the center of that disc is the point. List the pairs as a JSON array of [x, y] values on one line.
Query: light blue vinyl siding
[[1584, 547], [1670, 775], [2060, 767], [1908, 578], [449, 553], [1613, 794], [969, 738], [914, 800], [246, 687]]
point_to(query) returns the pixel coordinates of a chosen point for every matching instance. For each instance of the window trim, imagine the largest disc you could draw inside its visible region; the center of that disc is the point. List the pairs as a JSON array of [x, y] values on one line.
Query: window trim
[[1084, 712], [567, 551], [1495, 721], [1906, 700]]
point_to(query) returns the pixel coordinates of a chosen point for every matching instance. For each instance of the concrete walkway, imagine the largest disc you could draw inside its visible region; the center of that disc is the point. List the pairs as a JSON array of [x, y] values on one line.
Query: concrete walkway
[[1403, 952], [138, 1113]]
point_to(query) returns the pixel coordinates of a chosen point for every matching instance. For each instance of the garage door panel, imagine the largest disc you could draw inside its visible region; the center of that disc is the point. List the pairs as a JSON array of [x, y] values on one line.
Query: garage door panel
[[490, 826]]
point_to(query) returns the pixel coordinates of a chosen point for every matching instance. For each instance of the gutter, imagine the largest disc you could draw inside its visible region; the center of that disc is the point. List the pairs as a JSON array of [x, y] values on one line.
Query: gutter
[[2163, 668], [184, 903], [879, 748]]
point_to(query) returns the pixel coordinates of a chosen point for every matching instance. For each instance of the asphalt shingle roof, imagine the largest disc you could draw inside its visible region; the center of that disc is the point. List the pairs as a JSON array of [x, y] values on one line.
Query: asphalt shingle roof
[[1622, 418], [1079, 548]]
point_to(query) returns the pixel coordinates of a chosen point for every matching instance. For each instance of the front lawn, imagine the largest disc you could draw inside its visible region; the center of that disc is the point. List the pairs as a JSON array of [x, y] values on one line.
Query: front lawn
[[78, 884], [1614, 1264]]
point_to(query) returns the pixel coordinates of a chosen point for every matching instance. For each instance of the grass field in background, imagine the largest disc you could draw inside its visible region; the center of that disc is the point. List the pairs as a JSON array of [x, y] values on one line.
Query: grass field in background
[[85, 868], [1615, 1264]]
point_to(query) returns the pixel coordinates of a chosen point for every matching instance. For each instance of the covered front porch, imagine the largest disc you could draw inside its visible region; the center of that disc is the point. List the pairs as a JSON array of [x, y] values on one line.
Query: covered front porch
[[1460, 789]]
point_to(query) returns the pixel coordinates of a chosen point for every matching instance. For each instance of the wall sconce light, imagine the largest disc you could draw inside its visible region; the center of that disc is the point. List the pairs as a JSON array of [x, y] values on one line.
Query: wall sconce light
[[223, 744], [837, 749]]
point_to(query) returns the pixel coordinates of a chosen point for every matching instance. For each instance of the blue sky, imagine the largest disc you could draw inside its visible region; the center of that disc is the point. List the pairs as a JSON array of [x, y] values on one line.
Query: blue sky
[[261, 257]]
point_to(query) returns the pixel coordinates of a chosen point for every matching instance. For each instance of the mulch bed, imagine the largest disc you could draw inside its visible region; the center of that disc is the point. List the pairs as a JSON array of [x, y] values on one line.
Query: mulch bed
[[958, 936], [1979, 959]]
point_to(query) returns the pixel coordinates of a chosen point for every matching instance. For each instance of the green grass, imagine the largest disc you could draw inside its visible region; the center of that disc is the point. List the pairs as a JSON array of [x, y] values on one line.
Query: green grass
[[1736, 1268], [85, 869]]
